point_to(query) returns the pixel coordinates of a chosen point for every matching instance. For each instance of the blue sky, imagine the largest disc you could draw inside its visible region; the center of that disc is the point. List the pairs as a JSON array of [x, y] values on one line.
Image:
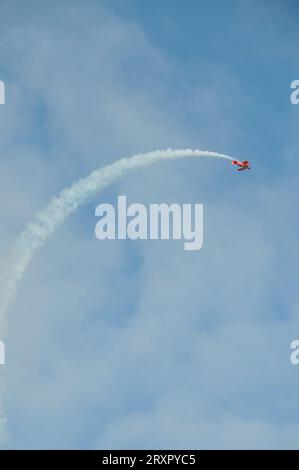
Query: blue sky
[[123, 344]]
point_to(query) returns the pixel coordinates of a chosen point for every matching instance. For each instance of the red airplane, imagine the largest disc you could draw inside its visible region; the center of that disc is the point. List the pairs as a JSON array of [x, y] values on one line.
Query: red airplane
[[243, 165]]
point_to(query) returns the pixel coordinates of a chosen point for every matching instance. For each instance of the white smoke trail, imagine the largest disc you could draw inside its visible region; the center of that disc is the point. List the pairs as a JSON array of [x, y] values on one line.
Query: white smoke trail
[[45, 222]]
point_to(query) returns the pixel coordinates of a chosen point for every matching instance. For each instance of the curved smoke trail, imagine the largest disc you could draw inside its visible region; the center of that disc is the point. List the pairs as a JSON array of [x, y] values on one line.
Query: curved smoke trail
[[45, 222]]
